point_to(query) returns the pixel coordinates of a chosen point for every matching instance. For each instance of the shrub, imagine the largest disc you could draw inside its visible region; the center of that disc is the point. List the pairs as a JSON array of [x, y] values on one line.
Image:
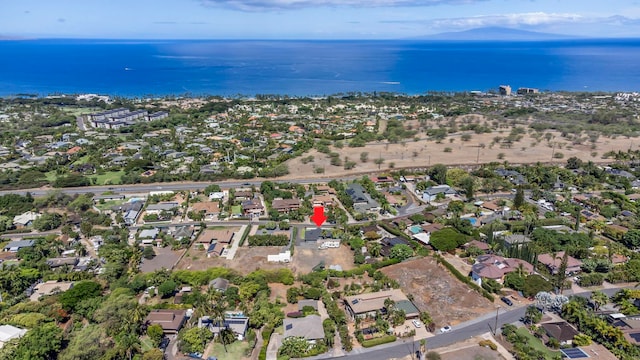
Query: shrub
[[488, 343], [378, 341]]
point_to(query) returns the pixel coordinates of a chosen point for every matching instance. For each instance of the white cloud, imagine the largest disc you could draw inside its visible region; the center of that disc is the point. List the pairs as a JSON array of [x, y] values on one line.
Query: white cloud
[[533, 19], [256, 5]]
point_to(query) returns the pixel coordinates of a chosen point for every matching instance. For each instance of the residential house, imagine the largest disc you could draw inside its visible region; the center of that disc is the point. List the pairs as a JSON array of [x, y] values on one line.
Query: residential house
[[183, 232], [148, 236], [284, 206], [479, 244], [25, 219], [219, 284], [370, 304], [253, 207], [561, 331], [9, 332], [573, 264], [162, 206], [55, 263], [171, 320], [243, 195], [630, 326], [50, 287], [308, 327], [496, 267], [515, 240], [210, 209], [238, 324], [322, 200], [15, 246], [324, 190], [513, 176], [308, 302], [383, 180], [430, 194], [314, 234], [362, 202]]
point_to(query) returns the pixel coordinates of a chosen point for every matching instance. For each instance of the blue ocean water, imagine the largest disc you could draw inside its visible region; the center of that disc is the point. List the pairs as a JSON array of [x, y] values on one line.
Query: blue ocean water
[[141, 68]]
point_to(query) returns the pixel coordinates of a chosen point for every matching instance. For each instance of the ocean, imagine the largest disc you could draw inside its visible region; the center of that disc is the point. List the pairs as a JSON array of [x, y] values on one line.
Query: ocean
[[312, 68]]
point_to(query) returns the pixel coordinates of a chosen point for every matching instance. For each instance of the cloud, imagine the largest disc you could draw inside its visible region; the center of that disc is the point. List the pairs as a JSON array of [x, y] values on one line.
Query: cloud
[[533, 19], [257, 5], [61, 20]]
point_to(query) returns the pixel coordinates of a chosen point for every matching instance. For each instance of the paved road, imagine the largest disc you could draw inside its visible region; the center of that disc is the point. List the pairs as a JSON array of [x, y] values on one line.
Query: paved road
[[460, 332]]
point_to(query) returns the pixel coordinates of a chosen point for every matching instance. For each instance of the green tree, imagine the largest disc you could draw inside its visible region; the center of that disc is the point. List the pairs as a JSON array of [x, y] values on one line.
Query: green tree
[[401, 252], [155, 333], [599, 299], [518, 200], [153, 354], [81, 291], [167, 288], [148, 252], [468, 185], [438, 173], [532, 315], [293, 347], [43, 342], [47, 221]]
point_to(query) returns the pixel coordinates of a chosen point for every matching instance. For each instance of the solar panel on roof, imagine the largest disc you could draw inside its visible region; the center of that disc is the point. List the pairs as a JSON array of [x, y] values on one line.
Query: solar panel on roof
[[574, 353], [289, 327]]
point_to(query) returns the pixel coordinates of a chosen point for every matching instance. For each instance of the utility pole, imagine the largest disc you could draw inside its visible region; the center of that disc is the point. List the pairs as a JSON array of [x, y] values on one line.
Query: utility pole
[[478, 157]]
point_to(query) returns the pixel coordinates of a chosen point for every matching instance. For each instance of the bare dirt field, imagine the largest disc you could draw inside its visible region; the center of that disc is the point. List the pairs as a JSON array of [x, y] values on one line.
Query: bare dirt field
[[247, 259], [165, 258], [436, 291], [306, 256], [480, 148]]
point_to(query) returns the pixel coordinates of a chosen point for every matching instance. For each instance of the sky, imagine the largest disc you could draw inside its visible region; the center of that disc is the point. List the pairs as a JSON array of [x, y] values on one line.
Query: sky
[[310, 19]]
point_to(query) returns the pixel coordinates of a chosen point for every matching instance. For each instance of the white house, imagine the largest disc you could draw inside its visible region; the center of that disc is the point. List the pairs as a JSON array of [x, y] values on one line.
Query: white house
[[431, 193], [283, 257], [8, 333]]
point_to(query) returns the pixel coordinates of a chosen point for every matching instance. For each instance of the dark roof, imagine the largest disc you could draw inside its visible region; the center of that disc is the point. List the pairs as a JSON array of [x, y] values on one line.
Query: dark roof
[[220, 284], [394, 241], [561, 331], [170, 320], [357, 193], [312, 234]]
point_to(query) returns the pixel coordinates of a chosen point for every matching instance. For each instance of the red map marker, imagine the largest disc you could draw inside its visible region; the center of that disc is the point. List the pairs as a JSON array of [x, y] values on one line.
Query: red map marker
[[318, 215]]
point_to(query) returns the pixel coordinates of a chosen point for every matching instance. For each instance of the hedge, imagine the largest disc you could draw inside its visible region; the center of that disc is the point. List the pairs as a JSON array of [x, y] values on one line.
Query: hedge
[[464, 279], [266, 335], [244, 236], [379, 341]]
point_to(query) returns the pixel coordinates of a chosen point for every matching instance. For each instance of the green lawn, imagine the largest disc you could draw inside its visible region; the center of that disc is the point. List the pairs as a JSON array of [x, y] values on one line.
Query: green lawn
[[146, 344], [81, 161], [535, 343], [236, 210], [51, 176], [235, 351], [109, 204], [109, 178], [80, 111]]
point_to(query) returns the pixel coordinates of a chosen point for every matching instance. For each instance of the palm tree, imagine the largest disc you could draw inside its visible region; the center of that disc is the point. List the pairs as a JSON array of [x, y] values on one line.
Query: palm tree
[[129, 343], [599, 298], [375, 249]]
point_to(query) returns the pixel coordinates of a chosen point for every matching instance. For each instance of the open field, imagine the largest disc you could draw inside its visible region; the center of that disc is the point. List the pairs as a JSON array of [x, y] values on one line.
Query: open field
[[247, 259], [436, 291], [165, 258], [306, 256], [109, 178], [480, 148]]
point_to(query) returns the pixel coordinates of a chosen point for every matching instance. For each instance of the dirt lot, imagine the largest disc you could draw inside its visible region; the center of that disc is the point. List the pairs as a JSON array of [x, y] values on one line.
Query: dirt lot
[[165, 258], [427, 152], [247, 259], [435, 290], [306, 256]]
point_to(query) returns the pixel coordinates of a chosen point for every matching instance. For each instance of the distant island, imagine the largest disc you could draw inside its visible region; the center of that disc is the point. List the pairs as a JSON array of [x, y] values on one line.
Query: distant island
[[496, 33]]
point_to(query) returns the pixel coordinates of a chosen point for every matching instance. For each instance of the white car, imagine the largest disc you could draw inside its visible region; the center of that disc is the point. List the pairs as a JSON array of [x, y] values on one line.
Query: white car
[[417, 323], [445, 329]]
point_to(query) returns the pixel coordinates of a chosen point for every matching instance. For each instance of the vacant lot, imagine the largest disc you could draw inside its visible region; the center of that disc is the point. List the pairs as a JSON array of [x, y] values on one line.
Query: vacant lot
[[306, 256], [165, 258], [247, 259], [435, 290]]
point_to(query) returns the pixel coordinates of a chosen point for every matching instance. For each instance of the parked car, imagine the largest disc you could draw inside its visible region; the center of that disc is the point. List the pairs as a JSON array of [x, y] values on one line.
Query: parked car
[[416, 323], [506, 300], [164, 343], [195, 355], [445, 329]]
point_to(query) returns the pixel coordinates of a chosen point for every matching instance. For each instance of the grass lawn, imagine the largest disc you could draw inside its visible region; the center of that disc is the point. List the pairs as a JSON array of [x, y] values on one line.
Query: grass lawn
[[80, 111], [535, 343], [146, 344], [236, 210], [235, 351], [81, 161], [109, 178], [51, 176], [108, 204]]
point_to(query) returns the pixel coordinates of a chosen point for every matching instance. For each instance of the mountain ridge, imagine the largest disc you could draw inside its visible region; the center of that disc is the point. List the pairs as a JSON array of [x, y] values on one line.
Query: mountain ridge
[[496, 33]]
